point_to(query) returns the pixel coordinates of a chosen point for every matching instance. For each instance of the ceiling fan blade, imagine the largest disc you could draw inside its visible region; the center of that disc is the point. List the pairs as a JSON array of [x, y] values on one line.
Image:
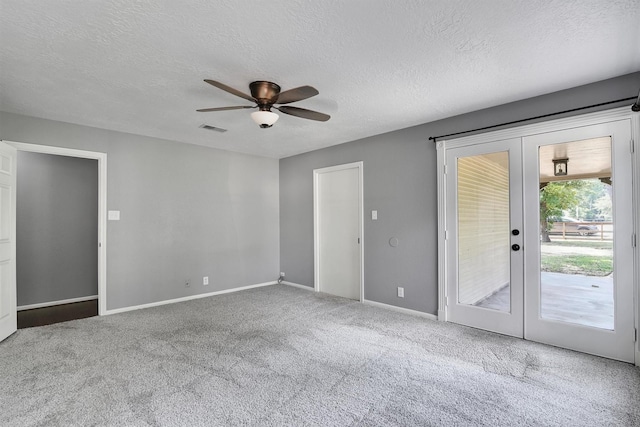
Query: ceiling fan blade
[[237, 107], [297, 94], [304, 113], [230, 90]]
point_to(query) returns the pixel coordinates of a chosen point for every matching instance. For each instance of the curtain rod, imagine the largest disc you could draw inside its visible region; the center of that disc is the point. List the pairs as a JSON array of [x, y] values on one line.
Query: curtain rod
[[434, 138]]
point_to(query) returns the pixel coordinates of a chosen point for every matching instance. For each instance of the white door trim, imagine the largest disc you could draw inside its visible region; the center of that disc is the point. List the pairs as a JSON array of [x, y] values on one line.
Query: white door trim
[[635, 185], [316, 231], [102, 205], [520, 132]]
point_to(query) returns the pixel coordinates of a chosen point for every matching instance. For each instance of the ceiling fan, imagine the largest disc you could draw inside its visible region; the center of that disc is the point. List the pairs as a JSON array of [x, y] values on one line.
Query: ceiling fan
[[266, 95]]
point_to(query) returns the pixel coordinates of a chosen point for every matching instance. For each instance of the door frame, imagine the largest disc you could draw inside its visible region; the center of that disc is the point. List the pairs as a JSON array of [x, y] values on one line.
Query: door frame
[[316, 227], [102, 205], [616, 114]]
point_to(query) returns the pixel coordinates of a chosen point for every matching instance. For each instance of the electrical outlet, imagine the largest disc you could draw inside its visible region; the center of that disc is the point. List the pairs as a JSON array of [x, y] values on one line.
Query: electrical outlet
[[205, 280], [282, 274], [186, 284], [400, 292]]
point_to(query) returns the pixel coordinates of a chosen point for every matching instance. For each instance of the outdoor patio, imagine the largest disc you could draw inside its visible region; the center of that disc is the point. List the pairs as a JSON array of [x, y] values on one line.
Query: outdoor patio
[[573, 298]]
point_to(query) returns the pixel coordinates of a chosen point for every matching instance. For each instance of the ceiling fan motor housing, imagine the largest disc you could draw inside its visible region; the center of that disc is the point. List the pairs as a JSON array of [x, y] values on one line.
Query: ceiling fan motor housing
[[265, 93]]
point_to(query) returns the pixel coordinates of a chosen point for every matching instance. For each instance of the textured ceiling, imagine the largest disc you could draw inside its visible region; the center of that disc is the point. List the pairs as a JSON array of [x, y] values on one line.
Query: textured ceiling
[[380, 65]]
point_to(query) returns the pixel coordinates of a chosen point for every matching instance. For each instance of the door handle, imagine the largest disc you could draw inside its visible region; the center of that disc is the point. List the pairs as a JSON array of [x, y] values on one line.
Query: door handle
[[515, 232], [515, 247]]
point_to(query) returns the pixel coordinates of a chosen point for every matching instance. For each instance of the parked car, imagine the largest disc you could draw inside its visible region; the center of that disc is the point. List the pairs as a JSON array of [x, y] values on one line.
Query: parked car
[[571, 226]]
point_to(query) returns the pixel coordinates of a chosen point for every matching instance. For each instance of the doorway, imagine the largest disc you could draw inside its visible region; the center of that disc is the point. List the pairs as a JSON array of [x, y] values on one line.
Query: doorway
[[56, 238], [524, 258], [337, 196], [8, 281]]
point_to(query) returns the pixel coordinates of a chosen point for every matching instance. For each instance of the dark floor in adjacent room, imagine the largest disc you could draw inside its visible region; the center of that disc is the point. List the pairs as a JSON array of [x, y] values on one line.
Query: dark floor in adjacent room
[[57, 313]]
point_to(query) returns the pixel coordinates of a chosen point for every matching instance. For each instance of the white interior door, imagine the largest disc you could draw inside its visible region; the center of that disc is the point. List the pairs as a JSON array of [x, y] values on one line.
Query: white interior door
[[483, 227], [338, 222], [8, 314], [582, 311]]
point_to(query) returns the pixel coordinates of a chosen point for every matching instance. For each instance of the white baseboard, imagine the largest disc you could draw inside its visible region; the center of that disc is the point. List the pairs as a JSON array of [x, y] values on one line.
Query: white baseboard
[[297, 285], [187, 298], [441, 315], [401, 309], [374, 303], [52, 303]]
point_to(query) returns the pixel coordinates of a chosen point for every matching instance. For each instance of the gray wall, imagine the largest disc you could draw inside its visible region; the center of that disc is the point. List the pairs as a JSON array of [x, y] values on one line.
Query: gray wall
[[187, 211], [400, 182], [57, 228]]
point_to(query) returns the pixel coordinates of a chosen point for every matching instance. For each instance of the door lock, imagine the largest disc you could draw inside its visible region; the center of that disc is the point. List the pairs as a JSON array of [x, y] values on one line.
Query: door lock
[[515, 247], [515, 232]]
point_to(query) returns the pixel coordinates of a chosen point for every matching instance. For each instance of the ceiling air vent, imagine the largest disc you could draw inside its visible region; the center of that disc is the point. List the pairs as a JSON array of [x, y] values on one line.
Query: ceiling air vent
[[213, 128]]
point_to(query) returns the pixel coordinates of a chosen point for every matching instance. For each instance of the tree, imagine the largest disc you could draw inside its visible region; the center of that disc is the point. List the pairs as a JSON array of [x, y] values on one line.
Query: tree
[[595, 200], [603, 205], [555, 198]]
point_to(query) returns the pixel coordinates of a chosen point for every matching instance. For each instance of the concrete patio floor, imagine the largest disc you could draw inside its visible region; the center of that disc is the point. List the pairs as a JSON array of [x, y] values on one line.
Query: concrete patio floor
[[573, 298]]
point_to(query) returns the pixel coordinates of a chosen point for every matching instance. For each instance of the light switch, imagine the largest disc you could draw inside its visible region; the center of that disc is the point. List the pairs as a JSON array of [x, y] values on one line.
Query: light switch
[[113, 215], [374, 215]]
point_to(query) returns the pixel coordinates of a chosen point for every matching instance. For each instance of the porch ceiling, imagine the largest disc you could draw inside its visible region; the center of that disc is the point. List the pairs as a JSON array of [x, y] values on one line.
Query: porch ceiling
[[589, 158]]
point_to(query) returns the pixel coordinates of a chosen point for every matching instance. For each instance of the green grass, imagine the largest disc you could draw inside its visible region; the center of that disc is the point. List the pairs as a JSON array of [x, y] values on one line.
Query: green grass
[[589, 265]]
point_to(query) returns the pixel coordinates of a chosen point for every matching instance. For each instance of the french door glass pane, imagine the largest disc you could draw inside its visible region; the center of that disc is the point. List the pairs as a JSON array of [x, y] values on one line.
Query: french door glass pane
[[483, 231], [576, 233]]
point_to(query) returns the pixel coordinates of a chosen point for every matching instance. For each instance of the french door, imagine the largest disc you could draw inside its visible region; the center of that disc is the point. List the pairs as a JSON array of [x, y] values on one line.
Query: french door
[[519, 266], [484, 224], [589, 311]]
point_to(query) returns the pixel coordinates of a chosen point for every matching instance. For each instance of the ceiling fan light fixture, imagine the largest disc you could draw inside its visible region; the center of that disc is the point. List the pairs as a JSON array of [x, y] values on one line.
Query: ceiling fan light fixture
[[264, 119]]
